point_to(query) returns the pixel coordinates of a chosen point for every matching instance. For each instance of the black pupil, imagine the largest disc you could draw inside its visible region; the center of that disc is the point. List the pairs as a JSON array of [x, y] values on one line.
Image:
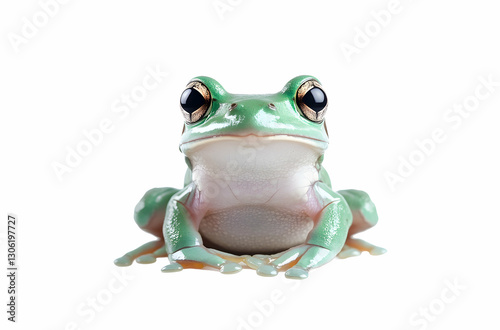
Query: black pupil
[[191, 100], [315, 99]]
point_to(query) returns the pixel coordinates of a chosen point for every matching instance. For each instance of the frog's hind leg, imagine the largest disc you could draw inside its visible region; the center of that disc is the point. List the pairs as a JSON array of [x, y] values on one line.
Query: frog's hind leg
[[364, 217], [149, 215]]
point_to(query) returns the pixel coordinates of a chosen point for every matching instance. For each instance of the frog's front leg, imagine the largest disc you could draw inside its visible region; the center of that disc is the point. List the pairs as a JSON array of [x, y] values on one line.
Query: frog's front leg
[[324, 242], [183, 243]]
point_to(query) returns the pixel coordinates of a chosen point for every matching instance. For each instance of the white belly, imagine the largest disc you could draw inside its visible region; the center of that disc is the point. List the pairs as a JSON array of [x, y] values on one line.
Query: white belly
[[255, 192], [254, 229]]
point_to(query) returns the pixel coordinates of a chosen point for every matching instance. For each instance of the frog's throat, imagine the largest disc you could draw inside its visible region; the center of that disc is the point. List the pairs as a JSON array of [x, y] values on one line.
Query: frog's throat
[[254, 138]]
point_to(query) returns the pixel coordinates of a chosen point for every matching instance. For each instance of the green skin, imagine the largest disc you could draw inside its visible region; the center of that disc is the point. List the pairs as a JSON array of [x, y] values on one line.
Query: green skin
[[174, 215]]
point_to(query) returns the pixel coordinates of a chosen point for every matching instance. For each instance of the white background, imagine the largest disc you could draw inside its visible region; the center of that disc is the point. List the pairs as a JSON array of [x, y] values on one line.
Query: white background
[[439, 223]]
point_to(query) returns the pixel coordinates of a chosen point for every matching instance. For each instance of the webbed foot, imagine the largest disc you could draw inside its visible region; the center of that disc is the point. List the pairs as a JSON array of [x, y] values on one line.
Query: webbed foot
[[144, 254], [296, 262], [151, 258], [354, 246], [199, 257]]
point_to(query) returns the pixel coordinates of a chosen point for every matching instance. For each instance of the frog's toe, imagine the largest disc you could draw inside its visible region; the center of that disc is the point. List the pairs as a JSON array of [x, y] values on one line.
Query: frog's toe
[[297, 273], [254, 262], [267, 258], [123, 261], [173, 267], [348, 252], [360, 246], [267, 270], [143, 250], [146, 259], [230, 268], [377, 250], [288, 258]]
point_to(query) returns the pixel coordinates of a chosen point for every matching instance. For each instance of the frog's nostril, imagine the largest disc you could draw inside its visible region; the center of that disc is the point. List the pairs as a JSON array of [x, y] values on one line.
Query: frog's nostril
[[271, 106], [233, 105]]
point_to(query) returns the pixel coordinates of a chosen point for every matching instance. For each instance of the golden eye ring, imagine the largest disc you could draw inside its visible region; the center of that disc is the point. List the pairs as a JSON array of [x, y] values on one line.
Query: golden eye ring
[[195, 101], [312, 101]]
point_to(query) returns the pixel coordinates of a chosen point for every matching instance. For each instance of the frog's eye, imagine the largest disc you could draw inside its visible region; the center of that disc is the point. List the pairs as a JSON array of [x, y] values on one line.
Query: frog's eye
[[195, 101], [312, 101]]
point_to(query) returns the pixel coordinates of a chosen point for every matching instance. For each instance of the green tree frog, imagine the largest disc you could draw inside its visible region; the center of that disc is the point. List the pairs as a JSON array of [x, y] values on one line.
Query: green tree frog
[[255, 192]]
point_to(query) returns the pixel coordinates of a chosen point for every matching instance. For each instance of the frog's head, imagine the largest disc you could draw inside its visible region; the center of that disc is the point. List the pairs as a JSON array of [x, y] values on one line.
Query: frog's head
[[296, 113]]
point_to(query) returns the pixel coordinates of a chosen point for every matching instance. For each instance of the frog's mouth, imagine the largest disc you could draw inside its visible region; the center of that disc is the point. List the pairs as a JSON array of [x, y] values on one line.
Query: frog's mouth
[[253, 159], [255, 140]]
